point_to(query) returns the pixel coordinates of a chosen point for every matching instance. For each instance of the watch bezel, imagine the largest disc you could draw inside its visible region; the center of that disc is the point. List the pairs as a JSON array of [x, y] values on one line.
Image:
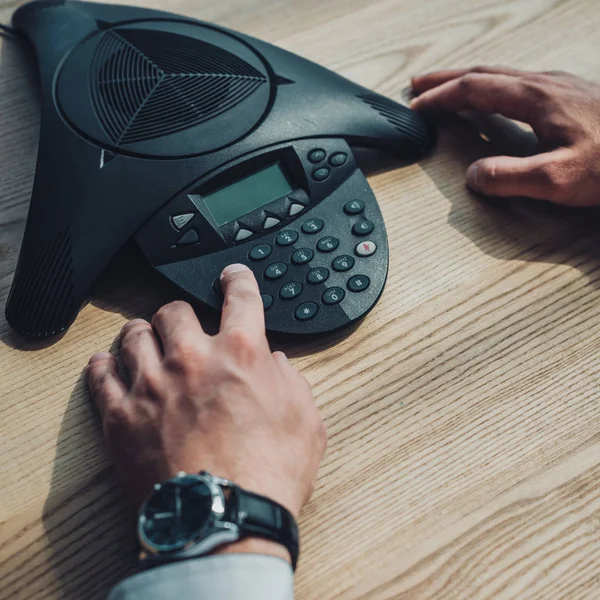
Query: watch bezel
[[215, 531]]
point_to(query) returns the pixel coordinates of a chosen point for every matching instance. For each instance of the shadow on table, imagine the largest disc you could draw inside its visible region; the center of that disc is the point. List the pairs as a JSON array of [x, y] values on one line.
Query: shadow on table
[[88, 522], [514, 228], [131, 288]]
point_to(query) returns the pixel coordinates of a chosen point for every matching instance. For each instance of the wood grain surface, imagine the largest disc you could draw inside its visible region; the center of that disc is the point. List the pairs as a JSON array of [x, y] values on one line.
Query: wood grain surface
[[463, 412]]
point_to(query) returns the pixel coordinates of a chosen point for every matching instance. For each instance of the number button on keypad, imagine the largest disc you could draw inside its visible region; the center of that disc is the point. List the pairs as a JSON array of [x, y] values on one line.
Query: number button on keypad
[[260, 252], [313, 226], [275, 271], [318, 275], [290, 290], [328, 244], [333, 295], [286, 238], [343, 263], [302, 256]]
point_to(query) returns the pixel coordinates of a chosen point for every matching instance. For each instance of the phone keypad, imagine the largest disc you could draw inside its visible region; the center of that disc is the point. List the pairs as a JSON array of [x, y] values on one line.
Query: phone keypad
[[321, 256]]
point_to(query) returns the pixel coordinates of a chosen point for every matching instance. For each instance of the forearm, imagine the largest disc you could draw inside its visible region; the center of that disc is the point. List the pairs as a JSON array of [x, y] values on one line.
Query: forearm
[[217, 577]]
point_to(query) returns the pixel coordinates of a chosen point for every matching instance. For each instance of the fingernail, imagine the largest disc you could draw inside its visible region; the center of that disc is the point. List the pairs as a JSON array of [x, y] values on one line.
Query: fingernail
[[473, 176], [235, 268]]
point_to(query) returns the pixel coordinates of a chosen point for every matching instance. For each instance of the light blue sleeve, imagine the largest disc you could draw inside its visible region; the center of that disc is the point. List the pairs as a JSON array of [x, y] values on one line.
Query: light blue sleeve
[[221, 577]]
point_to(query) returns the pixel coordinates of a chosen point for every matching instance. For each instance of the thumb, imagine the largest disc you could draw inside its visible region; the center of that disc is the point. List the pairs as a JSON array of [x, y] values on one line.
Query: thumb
[[538, 176]]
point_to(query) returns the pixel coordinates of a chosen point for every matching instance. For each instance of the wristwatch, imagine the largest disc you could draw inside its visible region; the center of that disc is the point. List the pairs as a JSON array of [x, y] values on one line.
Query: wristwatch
[[191, 515]]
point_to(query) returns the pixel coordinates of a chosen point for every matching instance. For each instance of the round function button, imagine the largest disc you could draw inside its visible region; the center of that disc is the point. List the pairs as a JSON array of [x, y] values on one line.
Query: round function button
[[333, 295], [260, 252], [354, 207], [321, 174], [363, 228], [267, 301], [290, 290], [317, 155], [338, 159], [313, 226], [318, 275], [328, 244], [358, 283], [306, 310], [275, 271], [216, 286], [343, 263], [367, 248], [302, 256], [287, 237]]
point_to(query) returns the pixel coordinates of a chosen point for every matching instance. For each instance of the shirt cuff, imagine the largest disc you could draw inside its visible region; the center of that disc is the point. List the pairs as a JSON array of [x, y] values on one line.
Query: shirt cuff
[[239, 576]]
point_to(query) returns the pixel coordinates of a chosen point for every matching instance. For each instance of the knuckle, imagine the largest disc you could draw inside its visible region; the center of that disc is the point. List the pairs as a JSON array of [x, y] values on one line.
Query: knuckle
[[534, 90], [131, 336], [183, 355], [97, 377], [558, 178], [241, 343], [117, 416], [133, 325], [165, 312], [553, 176], [467, 82], [149, 384]]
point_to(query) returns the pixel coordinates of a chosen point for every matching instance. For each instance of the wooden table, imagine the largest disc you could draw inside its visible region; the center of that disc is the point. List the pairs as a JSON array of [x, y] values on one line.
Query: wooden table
[[463, 413]]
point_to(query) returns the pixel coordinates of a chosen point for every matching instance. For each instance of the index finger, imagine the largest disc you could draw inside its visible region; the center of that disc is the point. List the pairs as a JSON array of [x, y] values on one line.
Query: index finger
[[502, 94], [427, 81], [243, 306]]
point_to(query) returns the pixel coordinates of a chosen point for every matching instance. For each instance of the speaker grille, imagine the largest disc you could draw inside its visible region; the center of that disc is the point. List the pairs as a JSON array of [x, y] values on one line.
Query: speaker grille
[[404, 120], [148, 84], [41, 300]]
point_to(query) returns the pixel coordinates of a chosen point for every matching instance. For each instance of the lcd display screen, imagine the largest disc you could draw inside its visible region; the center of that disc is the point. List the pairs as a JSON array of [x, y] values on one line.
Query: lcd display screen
[[238, 199]]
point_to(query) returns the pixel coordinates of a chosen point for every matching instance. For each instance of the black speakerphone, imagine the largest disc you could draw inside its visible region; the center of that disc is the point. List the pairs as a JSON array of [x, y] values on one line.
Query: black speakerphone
[[208, 147]]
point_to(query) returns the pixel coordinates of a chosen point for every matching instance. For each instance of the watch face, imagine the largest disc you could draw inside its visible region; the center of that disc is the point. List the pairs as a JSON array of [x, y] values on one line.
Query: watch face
[[176, 513]]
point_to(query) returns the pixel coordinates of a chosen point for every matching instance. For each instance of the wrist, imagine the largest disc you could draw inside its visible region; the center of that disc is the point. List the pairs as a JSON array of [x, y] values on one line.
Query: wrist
[[255, 545]]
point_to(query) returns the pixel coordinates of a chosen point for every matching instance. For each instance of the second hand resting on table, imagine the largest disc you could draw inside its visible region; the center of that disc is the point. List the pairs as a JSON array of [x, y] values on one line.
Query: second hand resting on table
[[228, 405], [563, 111]]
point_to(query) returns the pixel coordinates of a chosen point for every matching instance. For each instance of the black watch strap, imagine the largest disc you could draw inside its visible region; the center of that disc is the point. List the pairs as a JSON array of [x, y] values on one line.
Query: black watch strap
[[258, 516]]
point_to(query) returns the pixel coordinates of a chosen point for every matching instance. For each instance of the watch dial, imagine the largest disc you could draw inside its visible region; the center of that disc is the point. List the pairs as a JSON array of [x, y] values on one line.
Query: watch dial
[[175, 514]]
